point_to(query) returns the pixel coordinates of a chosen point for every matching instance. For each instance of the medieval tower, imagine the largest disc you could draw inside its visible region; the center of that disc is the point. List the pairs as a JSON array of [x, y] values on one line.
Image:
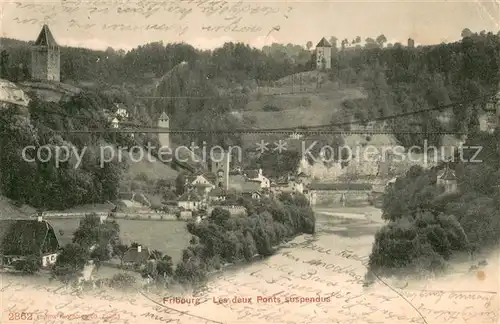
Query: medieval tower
[[45, 57], [221, 162], [323, 55], [164, 125]]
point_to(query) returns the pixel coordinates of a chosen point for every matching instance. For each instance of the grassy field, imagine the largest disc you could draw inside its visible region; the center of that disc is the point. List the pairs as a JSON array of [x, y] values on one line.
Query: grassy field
[[298, 105], [8, 210], [170, 237]]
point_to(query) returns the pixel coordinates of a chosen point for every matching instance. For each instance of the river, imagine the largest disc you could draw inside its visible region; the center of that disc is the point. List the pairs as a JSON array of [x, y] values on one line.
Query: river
[[314, 279]]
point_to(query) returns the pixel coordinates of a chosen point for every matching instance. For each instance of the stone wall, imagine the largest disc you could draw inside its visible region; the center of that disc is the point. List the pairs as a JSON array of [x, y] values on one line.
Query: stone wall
[[144, 216], [39, 60], [54, 66], [45, 64], [104, 215]]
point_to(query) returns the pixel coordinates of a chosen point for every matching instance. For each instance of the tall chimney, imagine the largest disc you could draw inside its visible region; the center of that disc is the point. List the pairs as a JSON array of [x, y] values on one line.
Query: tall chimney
[[139, 249]]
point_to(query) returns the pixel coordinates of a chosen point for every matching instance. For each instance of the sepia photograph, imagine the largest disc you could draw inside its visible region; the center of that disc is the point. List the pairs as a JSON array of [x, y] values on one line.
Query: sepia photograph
[[227, 162]]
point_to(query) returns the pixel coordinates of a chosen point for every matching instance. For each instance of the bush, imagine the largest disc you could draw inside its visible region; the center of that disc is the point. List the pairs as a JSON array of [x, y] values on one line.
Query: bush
[[422, 243], [70, 263], [221, 239], [305, 102], [271, 108], [122, 281], [31, 265]]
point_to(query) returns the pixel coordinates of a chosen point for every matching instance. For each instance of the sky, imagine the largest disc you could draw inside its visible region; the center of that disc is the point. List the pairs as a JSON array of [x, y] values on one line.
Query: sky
[[207, 24]]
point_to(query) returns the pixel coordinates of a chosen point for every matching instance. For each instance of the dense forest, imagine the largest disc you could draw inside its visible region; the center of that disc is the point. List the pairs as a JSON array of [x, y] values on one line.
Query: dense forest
[[47, 183], [427, 226], [397, 79], [222, 239]]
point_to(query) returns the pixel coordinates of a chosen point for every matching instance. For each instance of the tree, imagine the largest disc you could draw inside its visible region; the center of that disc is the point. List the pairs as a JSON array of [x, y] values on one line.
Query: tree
[[333, 41], [31, 265], [156, 255], [123, 281], [344, 43], [92, 232], [4, 65], [165, 266], [309, 45], [370, 43], [180, 184], [220, 216], [466, 32], [381, 40], [120, 250], [70, 263]]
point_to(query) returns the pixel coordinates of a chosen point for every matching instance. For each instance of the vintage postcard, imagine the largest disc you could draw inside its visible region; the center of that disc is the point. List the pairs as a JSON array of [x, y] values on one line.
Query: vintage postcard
[[206, 161]]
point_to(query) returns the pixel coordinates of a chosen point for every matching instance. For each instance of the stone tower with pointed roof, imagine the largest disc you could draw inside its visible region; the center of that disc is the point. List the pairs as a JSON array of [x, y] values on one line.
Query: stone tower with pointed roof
[[45, 57], [323, 55], [164, 124]]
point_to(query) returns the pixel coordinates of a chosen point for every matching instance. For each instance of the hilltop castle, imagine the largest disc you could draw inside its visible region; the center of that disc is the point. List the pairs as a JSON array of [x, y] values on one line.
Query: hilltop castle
[[45, 57]]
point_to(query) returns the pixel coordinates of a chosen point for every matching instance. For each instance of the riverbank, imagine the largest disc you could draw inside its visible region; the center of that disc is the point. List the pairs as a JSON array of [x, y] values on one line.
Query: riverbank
[[325, 264]]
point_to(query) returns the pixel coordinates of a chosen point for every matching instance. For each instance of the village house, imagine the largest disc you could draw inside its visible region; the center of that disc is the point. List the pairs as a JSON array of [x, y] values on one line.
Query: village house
[[256, 175], [217, 195], [203, 181], [121, 111], [249, 193], [240, 183], [137, 256], [448, 180], [27, 237], [288, 184], [190, 201]]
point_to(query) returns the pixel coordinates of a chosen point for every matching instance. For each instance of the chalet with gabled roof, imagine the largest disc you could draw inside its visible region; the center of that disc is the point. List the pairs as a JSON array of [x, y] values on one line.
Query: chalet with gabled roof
[[137, 255], [20, 238]]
